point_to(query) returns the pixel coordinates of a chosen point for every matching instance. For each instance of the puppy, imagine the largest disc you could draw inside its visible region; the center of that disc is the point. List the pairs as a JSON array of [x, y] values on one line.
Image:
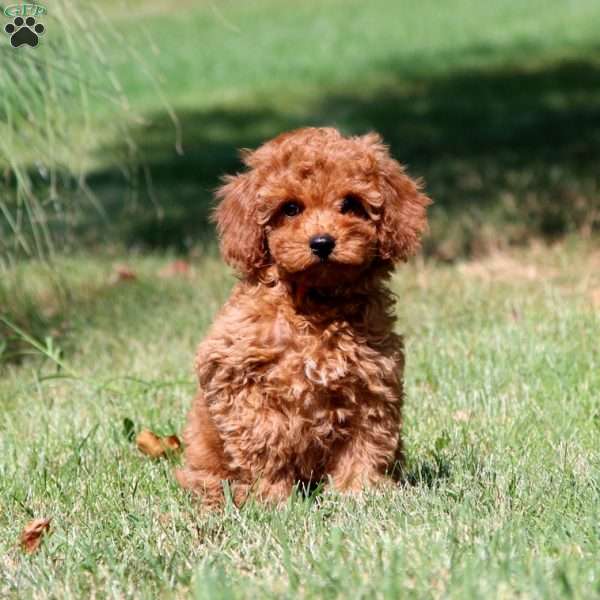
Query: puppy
[[300, 376]]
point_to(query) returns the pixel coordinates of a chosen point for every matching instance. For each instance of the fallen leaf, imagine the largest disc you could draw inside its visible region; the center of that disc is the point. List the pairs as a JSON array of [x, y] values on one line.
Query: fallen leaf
[[122, 273], [178, 268], [149, 443], [165, 518], [153, 445], [172, 442], [462, 416], [596, 297], [31, 536]]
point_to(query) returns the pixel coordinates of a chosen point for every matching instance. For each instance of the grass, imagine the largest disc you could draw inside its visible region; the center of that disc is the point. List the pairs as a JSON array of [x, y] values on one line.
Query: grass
[[497, 105], [502, 420], [46, 136]]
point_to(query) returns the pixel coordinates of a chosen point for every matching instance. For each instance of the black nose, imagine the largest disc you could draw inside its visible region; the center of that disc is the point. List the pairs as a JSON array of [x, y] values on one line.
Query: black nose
[[322, 245]]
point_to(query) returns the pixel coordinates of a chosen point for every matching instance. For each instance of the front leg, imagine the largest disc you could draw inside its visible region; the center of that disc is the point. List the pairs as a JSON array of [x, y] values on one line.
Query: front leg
[[275, 488], [366, 460], [352, 471], [206, 466]]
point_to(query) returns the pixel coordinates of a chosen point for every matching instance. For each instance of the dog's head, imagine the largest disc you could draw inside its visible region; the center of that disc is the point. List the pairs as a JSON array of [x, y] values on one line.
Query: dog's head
[[320, 207]]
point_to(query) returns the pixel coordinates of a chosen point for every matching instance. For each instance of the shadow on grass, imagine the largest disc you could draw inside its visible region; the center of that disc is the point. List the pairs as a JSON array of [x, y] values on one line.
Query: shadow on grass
[[428, 473], [507, 154], [177, 213]]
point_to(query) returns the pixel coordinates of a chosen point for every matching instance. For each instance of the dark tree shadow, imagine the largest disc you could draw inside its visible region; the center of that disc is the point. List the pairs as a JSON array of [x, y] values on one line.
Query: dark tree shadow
[[506, 153], [427, 473], [173, 209]]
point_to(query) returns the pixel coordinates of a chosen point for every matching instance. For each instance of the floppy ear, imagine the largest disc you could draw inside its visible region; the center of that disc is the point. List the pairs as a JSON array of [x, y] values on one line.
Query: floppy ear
[[403, 211], [241, 236]]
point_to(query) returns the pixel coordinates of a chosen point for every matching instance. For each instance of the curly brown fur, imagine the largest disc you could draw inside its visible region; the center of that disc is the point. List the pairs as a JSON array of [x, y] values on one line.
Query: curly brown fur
[[300, 375]]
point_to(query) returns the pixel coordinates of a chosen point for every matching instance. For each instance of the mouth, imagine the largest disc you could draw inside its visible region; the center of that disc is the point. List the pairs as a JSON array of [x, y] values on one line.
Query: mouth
[[327, 273], [321, 296]]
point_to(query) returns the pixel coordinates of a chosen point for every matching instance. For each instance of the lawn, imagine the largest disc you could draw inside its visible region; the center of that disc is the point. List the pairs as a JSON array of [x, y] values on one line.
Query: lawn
[[502, 491], [497, 106]]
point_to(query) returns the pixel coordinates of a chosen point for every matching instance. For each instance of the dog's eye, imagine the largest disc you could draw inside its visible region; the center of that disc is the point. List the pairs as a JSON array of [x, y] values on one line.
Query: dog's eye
[[291, 208], [351, 204]]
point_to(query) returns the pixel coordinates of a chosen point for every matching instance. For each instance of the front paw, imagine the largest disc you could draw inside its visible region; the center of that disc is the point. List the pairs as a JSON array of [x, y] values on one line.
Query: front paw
[[355, 482], [275, 493]]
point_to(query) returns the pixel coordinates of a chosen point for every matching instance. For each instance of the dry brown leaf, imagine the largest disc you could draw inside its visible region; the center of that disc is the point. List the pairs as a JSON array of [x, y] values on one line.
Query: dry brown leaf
[[178, 268], [171, 442], [165, 519], [153, 445], [122, 273], [596, 297], [149, 443], [462, 416], [504, 266], [31, 536]]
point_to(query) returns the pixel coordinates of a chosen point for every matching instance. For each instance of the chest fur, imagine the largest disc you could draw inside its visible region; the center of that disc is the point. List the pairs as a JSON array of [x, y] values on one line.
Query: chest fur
[[311, 365], [280, 355]]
